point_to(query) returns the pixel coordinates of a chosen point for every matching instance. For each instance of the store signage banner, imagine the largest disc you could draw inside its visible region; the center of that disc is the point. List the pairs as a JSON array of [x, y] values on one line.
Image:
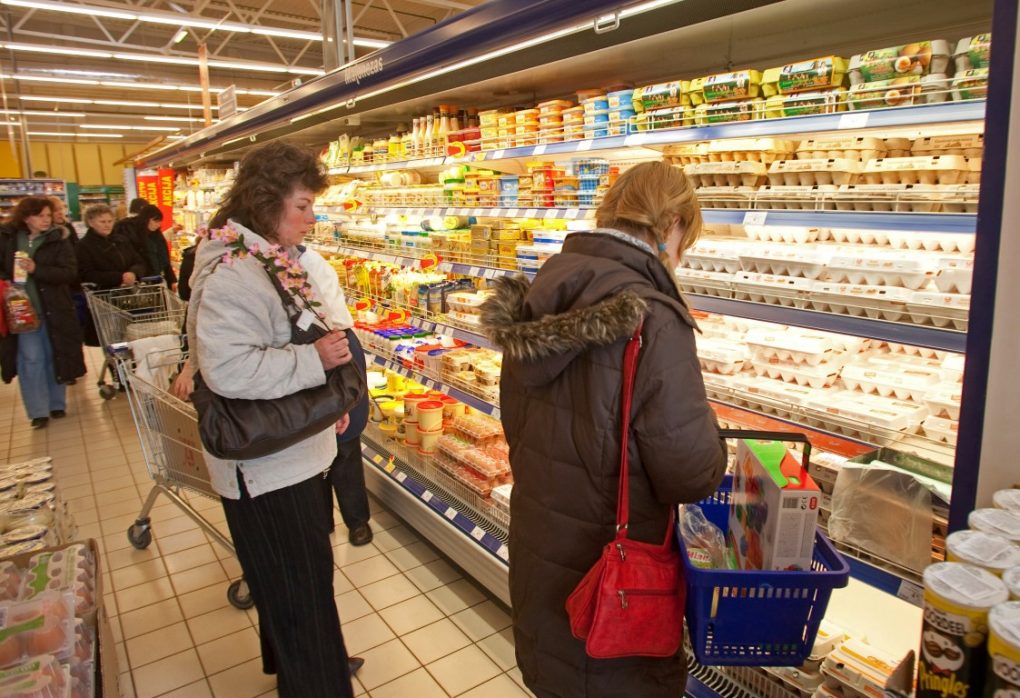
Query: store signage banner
[[157, 187], [227, 102]]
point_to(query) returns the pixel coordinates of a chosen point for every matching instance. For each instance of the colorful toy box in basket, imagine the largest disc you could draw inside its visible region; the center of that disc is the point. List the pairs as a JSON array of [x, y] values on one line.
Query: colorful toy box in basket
[[773, 509]]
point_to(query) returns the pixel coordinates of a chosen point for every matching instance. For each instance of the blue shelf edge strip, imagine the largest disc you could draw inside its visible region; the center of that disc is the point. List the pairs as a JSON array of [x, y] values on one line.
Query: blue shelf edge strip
[[474, 402], [859, 220], [914, 335], [885, 581], [492, 545]]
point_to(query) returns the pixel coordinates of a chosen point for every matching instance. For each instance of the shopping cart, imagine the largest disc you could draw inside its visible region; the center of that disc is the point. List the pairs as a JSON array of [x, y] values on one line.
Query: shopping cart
[[127, 313], [167, 427]]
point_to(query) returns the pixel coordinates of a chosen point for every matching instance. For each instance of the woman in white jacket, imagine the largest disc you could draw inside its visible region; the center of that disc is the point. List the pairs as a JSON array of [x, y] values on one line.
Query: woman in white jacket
[[240, 338]]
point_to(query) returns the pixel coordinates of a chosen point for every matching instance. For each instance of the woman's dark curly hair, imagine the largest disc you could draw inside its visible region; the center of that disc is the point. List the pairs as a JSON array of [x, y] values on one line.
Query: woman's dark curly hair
[[29, 206], [267, 175]]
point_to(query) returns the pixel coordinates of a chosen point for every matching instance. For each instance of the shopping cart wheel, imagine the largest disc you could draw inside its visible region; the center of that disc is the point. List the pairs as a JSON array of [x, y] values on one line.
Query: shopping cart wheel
[[107, 392], [239, 596], [140, 536]]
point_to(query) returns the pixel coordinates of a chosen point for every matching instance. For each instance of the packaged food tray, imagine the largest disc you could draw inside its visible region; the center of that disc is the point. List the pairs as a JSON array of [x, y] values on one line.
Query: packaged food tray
[[795, 262], [796, 197], [940, 309], [756, 618], [841, 148], [726, 197], [747, 174], [774, 289], [876, 302], [934, 169], [813, 171]]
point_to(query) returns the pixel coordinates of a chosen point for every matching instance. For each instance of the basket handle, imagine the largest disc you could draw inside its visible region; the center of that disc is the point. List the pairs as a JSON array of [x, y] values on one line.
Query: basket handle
[[788, 436]]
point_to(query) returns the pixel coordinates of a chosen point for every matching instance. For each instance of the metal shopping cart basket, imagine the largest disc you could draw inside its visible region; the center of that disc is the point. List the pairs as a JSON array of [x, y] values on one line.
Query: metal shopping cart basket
[[127, 313], [168, 431]]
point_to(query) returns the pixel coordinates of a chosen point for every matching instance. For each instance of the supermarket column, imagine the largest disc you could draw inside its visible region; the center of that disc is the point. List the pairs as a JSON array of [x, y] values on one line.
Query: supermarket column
[[241, 338]]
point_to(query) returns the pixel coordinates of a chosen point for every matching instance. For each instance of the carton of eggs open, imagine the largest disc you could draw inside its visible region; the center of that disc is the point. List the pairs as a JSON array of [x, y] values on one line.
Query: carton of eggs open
[[936, 169], [841, 148], [814, 171], [748, 174]]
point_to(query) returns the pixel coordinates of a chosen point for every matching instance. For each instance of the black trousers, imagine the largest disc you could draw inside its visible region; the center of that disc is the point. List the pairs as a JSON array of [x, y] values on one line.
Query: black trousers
[[347, 478], [283, 545]]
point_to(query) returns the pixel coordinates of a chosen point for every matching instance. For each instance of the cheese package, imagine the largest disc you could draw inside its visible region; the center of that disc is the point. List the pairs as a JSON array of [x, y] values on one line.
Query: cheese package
[[773, 509]]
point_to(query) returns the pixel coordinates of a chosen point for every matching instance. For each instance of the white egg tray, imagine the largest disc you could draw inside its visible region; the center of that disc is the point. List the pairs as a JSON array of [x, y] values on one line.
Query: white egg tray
[[720, 381], [944, 404], [722, 355], [774, 289], [892, 415], [722, 174], [905, 384], [866, 272], [805, 198], [795, 262], [888, 361], [773, 389], [935, 169], [707, 283], [944, 430], [876, 302], [876, 259], [796, 346], [782, 233], [762, 150], [955, 274], [726, 197], [945, 242], [820, 376], [905, 198], [841, 148], [940, 309], [952, 368], [813, 171], [911, 350], [862, 236], [711, 255], [686, 153], [969, 145]]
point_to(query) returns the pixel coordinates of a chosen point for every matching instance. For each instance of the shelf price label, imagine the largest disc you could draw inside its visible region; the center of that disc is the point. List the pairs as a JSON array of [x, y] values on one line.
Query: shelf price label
[[857, 119], [477, 533], [513, 213], [401, 476], [503, 553], [377, 459], [911, 593], [539, 150], [584, 145], [755, 217], [426, 496], [572, 213], [497, 155], [390, 465], [450, 513]]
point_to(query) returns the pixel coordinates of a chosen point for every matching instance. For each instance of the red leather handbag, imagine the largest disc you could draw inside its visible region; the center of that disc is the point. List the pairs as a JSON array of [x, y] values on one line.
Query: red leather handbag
[[631, 603]]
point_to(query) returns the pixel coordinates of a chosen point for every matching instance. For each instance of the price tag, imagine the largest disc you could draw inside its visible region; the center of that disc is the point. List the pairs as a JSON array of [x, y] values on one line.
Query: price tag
[[572, 213], [911, 593], [497, 155], [474, 271], [531, 213], [635, 139], [552, 213], [401, 476], [426, 496], [490, 274], [377, 459], [755, 217], [495, 412], [513, 213], [539, 150], [477, 533], [390, 466], [856, 119], [503, 553], [584, 145], [480, 156], [450, 513]]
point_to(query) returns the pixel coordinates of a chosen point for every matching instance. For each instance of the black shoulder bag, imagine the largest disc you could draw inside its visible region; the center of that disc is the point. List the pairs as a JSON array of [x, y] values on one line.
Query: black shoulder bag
[[239, 429]]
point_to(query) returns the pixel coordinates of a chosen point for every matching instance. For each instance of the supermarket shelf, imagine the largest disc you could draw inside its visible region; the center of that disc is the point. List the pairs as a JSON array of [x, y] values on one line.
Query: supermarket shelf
[[471, 400], [901, 333], [409, 261], [575, 213], [917, 222], [483, 556], [883, 580]]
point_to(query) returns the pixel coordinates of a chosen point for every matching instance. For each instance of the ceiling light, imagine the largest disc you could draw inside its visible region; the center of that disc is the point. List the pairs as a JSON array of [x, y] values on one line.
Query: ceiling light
[[258, 93], [88, 135], [61, 81], [29, 112], [74, 9], [190, 119], [292, 34], [69, 100], [39, 48], [124, 103], [371, 43], [180, 36], [112, 102], [125, 127]]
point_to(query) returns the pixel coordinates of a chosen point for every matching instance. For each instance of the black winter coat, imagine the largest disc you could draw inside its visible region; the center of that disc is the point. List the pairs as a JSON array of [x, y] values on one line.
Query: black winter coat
[[103, 260], [563, 340], [55, 273]]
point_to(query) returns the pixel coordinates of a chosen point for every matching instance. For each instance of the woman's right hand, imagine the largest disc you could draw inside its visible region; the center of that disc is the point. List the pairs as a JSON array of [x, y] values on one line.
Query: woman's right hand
[[128, 278], [333, 349]]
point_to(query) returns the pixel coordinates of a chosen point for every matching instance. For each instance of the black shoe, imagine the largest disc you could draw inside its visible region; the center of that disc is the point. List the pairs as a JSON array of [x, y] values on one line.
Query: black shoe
[[360, 535], [58, 414], [40, 422], [355, 663]]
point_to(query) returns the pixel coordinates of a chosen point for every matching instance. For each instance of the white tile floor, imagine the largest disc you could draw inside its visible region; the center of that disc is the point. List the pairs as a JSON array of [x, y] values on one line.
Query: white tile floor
[[423, 630]]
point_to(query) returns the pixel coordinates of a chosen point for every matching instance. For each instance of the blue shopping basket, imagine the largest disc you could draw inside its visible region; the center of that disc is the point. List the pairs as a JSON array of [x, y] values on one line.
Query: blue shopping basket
[[751, 617]]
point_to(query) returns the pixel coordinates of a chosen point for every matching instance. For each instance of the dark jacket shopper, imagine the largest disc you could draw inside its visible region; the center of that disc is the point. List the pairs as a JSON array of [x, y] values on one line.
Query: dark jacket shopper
[[240, 338], [563, 339], [143, 231], [105, 260], [187, 267], [47, 359]]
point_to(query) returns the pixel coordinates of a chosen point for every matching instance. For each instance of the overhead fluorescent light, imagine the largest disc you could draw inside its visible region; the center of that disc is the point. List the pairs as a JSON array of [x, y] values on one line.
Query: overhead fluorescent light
[[69, 100], [39, 48], [73, 9], [371, 43], [60, 81], [125, 127], [29, 112], [190, 119], [113, 102], [124, 103], [86, 135], [180, 36]]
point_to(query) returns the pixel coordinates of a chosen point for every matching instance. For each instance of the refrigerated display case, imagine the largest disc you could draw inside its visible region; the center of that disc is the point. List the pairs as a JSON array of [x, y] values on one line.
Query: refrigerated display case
[[835, 241]]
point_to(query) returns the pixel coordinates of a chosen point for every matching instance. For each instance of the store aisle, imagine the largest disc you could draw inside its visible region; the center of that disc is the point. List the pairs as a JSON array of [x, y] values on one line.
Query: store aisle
[[423, 630]]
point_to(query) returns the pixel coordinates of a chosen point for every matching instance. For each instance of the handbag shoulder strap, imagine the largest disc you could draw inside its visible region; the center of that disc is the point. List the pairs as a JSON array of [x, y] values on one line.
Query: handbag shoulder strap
[[630, 358]]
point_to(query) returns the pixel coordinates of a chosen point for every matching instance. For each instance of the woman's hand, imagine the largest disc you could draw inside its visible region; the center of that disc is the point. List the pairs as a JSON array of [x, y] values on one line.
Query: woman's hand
[[28, 264], [128, 278], [333, 350], [343, 423], [184, 384]]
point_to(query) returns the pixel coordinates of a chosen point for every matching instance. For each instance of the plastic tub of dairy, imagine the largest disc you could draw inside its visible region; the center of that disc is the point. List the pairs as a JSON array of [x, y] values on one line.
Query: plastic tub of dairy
[[774, 289], [810, 263], [1008, 499], [944, 430], [991, 551], [940, 309], [747, 174], [857, 149], [998, 521], [813, 171]]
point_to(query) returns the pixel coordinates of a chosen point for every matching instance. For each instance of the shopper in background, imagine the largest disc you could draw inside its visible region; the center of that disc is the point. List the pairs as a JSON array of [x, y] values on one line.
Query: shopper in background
[[347, 473], [563, 340], [187, 267], [143, 232], [60, 219], [48, 358], [240, 337]]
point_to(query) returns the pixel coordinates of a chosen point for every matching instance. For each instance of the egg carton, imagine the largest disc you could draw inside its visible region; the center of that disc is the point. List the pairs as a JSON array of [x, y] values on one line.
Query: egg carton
[[795, 262], [722, 356], [796, 197], [895, 362], [877, 259], [945, 242], [856, 236], [782, 233], [769, 396], [944, 404], [876, 302], [943, 430], [897, 147], [813, 171], [951, 198], [686, 153], [721, 383], [774, 289], [905, 198], [952, 368], [707, 283], [761, 150], [726, 197], [817, 377], [905, 384], [935, 169], [940, 309], [899, 92], [862, 271], [969, 145], [955, 275], [713, 255], [842, 148], [785, 344], [732, 173], [890, 415], [911, 350]]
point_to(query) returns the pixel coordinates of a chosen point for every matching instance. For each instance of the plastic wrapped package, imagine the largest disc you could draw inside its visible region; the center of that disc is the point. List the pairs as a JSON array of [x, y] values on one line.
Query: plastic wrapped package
[[706, 545], [871, 501], [42, 625], [37, 677]]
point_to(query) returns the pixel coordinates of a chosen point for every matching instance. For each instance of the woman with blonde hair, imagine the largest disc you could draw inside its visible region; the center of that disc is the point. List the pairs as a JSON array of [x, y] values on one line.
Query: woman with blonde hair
[[563, 339]]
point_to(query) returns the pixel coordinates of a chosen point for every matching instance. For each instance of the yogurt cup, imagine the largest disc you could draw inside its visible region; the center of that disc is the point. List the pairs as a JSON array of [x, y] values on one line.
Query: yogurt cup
[[998, 521], [411, 437], [1004, 650], [1011, 578], [989, 551], [411, 401], [430, 415], [428, 440], [1008, 500]]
